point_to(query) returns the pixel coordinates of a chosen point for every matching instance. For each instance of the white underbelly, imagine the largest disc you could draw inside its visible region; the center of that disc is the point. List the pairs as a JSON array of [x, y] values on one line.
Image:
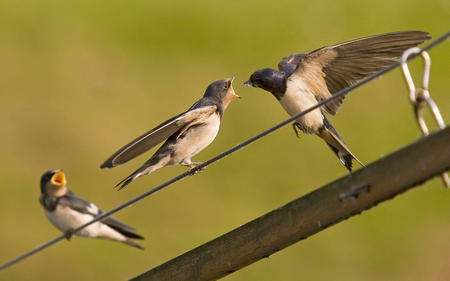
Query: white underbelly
[[196, 139], [297, 99], [65, 219]]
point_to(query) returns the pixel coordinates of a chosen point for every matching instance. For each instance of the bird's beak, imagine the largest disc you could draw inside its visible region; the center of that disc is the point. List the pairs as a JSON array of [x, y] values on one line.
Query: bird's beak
[[233, 94], [230, 94], [248, 84], [59, 179]]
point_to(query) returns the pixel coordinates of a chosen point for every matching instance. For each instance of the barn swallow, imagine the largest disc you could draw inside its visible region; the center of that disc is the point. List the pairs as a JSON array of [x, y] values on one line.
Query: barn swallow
[[66, 211], [186, 134], [304, 79]]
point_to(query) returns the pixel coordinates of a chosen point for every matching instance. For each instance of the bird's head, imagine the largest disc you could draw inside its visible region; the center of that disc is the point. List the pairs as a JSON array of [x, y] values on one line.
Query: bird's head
[[267, 79], [222, 90], [53, 183]]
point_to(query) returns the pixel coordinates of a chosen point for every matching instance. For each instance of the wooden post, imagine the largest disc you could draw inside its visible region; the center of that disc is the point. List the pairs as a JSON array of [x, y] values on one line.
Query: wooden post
[[305, 216]]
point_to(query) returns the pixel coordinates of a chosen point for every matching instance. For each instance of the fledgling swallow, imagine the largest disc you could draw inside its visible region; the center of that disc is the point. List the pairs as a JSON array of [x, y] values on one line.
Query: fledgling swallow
[[186, 134], [66, 211], [304, 79]]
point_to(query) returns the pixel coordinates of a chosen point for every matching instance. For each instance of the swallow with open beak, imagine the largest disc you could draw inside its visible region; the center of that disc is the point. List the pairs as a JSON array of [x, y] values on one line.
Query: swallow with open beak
[[185, 135], [66, 211], [304, 79]]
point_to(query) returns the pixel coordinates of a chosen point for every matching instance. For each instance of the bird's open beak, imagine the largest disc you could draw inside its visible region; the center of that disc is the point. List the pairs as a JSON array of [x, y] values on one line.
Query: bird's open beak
[[59, 179], [248, 84], [233, 94]]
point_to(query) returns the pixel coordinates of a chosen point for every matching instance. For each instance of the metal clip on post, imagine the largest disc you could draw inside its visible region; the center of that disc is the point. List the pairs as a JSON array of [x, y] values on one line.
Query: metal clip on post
[[421, 97]]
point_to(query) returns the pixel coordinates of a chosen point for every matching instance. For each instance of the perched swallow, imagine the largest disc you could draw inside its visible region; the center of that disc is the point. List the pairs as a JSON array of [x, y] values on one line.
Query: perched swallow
[[66, 211], [186, 134], [303, 79]]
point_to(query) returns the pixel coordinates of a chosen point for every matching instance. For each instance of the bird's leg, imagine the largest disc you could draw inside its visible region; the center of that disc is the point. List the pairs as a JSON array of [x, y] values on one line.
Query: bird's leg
[[296, 127], [192, 166], [68, 234]]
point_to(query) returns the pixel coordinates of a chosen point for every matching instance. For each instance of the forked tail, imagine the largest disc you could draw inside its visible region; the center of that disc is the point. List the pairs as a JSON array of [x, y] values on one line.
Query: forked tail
[[150, 166], [329, 134], [133, 244]]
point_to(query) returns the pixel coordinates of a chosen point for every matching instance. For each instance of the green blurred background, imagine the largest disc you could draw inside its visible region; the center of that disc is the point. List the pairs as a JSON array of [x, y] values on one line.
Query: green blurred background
[[78, 79]]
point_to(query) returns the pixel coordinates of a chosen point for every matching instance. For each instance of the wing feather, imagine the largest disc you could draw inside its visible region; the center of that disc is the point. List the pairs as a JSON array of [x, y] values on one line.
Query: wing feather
[[330, 69], [80, 205], [156, 135]]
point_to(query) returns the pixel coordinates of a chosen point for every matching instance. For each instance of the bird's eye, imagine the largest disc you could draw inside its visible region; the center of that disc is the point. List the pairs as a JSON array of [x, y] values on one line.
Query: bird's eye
[[226, 87]]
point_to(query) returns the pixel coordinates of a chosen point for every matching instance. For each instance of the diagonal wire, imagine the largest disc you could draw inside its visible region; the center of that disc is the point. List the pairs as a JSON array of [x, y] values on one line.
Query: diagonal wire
[[225, 153]]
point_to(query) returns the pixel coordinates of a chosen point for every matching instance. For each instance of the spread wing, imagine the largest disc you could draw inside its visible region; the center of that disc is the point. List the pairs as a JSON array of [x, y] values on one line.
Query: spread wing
[[80, 205], [330, 69], [157, 135]]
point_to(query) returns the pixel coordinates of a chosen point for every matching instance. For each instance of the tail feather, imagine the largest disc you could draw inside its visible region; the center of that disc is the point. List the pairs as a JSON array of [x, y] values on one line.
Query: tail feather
[[127, 180], [346, 159], [160, 159], [131, 235], [133, 244], [146, 169], [118, 226], [119, 231], [337, 145]]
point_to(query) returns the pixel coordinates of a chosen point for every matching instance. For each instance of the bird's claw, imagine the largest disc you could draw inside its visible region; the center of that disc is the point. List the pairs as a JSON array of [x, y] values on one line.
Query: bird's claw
[[296, 127], [193, 168], [68, 234]]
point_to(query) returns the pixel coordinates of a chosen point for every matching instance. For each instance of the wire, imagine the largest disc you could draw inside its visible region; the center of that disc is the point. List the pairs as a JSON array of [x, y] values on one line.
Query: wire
[[225, 153]]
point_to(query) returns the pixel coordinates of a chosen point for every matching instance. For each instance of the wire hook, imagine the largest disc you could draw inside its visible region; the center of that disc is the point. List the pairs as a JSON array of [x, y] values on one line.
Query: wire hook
[[426, 73], [421, 97]]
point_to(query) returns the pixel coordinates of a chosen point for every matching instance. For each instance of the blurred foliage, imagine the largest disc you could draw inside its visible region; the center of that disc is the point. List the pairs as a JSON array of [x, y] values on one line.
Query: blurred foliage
[[78, 79]]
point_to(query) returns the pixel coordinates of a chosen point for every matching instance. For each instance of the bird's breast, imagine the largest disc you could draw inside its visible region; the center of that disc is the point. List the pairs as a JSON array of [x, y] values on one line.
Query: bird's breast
[[196, 138], [65, 218], [298, 98]]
